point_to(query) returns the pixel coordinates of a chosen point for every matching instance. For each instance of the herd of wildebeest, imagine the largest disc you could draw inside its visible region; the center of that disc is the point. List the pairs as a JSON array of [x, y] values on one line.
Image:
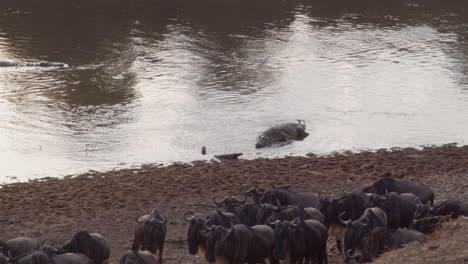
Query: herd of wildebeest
[[279, 226]]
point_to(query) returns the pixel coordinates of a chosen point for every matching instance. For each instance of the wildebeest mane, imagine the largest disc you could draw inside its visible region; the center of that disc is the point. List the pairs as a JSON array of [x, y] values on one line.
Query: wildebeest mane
[[383, 185], [152, 236], [381, 239], [298, 240], [248, 215], [222, 219], [83, 243], [392, 208], [399, 210], [236, 246], [353, 206]]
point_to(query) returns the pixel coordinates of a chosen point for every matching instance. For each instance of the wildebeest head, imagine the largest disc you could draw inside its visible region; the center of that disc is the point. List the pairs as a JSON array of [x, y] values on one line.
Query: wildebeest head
[[215, 237], [374, 200], [194, 237], [152, 229], [255, 193], [81, 242], [7, 259], [419, 222], [285, 233], [266, 210], [276, 196], [354, 232], [326, 207], [50, 250], [380, 186], [229, 202]]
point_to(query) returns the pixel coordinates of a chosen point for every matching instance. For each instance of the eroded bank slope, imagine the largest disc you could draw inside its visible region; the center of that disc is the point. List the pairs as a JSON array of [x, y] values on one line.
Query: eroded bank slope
[[108, 202]]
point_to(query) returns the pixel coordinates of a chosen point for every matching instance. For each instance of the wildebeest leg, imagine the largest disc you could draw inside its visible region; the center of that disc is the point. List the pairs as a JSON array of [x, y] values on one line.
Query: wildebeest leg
[[338, 245], [160, 253], [136, 245]]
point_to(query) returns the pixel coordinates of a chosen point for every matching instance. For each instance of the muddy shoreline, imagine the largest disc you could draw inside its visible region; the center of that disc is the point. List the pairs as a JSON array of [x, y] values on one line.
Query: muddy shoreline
[[108, 202]]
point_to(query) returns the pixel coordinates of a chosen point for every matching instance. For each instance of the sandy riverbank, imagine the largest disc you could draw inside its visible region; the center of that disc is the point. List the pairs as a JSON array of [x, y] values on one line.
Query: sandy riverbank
[[53, 209]]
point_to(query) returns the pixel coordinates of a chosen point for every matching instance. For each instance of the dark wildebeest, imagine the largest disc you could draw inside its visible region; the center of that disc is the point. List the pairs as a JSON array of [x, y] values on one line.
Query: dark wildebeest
[[43, 257], [385, 184], [270, 213], [18, 246], [231, 204], [427, 218], [247, 213], [92, 245], [239, 244], [255, 193], [300, 240], [283, 196], [399, 209], [138, 257], [352, 203], [150, 234], [382, 239], [357, 230], [196, 241]]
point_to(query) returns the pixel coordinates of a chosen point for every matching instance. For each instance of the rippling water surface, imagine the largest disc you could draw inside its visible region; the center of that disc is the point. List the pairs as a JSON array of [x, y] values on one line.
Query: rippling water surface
[[154, 81]]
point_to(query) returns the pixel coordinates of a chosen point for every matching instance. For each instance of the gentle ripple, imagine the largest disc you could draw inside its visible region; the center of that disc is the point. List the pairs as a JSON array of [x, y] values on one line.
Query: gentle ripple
[[154, 81]]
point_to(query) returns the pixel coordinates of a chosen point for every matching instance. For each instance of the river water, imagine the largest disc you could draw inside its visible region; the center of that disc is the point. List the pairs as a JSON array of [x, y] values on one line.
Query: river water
[[154, 81]]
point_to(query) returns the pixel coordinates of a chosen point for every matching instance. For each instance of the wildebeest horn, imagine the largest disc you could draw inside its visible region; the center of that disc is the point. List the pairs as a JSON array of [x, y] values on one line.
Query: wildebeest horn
[[242, 189], [205, 231], [137, 219], [348, 254], [240, 201], [154, 220], [200, 221], [222, 228], [363, 224], [188, 219], [271, 222], [269, 207], [219, 204], [296, 221], [347, 222]]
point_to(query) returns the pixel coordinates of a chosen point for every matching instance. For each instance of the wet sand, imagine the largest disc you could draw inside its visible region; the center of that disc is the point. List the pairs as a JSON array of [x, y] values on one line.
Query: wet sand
[[52, 210]]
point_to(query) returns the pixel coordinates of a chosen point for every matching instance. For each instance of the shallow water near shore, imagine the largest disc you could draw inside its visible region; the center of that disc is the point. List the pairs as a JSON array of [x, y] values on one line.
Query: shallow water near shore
[[154, 81]]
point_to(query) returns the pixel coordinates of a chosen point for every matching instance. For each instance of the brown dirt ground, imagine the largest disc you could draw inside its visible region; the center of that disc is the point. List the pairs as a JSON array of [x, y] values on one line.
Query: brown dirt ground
[[52, 210]]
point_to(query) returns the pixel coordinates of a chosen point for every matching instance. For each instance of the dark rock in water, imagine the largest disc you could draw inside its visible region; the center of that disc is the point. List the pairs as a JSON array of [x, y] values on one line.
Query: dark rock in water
[[282, 133], [203, 150], [228, 156]]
